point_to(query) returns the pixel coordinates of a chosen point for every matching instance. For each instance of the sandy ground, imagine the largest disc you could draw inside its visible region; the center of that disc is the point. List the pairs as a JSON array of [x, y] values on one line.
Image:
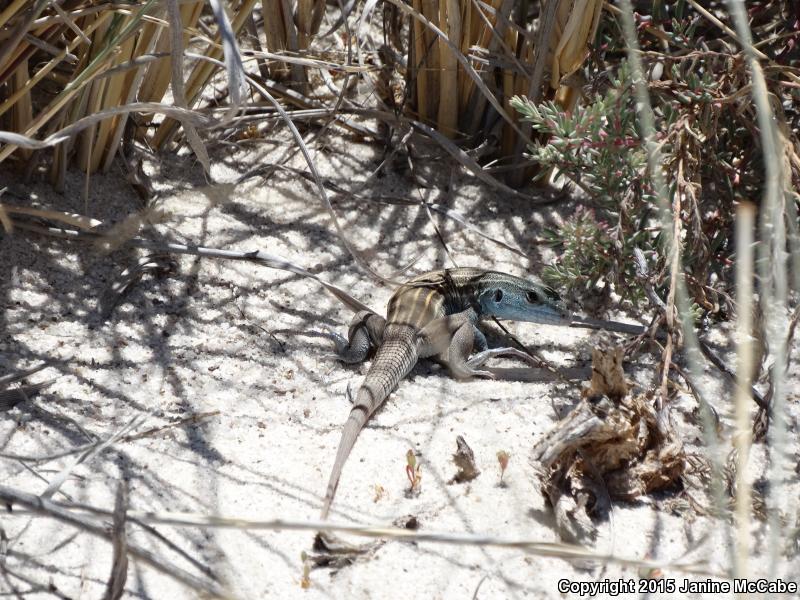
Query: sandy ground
[[241, 403]]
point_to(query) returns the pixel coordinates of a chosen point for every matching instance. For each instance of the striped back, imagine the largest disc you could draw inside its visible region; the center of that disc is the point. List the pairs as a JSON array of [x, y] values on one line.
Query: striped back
[[415, 305], [432, 295]]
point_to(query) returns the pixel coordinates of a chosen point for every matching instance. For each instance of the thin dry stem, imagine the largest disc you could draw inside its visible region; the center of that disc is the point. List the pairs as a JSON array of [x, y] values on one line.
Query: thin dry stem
[[745, 223]]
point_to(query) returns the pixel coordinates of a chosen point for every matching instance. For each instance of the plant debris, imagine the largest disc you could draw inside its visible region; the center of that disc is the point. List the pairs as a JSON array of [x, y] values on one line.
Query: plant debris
[[464, 459], [612, 445]]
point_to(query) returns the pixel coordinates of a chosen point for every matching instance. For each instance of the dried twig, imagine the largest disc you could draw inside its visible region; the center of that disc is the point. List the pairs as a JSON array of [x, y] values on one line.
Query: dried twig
[[119, 544], [59, 480], [48, 508], [553, 549]]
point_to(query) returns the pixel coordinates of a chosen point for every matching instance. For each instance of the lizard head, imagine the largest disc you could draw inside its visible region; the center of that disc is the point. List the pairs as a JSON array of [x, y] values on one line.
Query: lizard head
[[516, 299]]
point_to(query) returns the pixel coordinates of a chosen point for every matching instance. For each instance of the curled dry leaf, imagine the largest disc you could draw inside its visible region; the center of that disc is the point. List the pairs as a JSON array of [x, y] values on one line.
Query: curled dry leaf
[[332, 552], [610, 446], [464, 460]]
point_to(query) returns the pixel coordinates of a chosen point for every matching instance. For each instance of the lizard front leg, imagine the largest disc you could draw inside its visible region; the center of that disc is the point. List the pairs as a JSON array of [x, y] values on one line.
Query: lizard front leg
[[451, 339], [454, 337], [365, 334], [461, 347], [481, 357]]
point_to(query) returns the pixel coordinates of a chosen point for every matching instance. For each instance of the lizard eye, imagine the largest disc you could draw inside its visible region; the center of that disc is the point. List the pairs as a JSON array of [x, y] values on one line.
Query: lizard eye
[[531, 297], [498, 295]]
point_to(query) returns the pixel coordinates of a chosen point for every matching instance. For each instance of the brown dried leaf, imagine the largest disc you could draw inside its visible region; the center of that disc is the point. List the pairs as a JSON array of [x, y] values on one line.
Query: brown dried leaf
[[659, 469], [590, 421], [608, 378], [576, 497], [609, 446], [464, 460]]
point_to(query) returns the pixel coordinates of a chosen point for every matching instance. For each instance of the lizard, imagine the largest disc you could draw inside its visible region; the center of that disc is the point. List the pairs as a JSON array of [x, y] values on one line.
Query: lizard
[[433, 315]]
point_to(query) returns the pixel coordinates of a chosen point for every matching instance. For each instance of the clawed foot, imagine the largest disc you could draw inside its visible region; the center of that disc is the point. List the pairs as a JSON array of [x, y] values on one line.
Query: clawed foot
[[467, 371], [344, 351], [480, 358], [340, 342]]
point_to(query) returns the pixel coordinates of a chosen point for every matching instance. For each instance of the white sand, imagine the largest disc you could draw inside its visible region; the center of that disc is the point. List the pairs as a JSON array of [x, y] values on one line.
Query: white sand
[[235, 338]]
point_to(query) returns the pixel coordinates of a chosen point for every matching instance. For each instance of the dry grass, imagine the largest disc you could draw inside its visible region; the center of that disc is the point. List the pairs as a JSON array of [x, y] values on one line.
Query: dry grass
[[456, 47], [108, 56]]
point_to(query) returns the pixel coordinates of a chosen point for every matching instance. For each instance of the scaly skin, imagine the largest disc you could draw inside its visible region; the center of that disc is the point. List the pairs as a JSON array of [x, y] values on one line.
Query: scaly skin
[[433, 314]]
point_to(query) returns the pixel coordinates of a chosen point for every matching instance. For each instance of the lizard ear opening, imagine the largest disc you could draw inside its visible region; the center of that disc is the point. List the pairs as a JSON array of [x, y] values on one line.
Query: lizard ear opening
[[532, 297], [498, 295]]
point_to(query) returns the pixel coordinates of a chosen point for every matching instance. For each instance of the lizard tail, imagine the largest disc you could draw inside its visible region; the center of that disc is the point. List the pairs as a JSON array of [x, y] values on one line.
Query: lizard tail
[[352, 427], [393, 361]]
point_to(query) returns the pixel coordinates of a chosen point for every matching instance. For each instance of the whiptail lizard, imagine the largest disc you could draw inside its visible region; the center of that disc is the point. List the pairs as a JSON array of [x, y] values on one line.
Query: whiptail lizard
[[434, 315]]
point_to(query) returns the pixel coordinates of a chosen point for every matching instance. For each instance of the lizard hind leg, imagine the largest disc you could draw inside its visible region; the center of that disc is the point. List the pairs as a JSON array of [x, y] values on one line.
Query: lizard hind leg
[[364, 336]]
